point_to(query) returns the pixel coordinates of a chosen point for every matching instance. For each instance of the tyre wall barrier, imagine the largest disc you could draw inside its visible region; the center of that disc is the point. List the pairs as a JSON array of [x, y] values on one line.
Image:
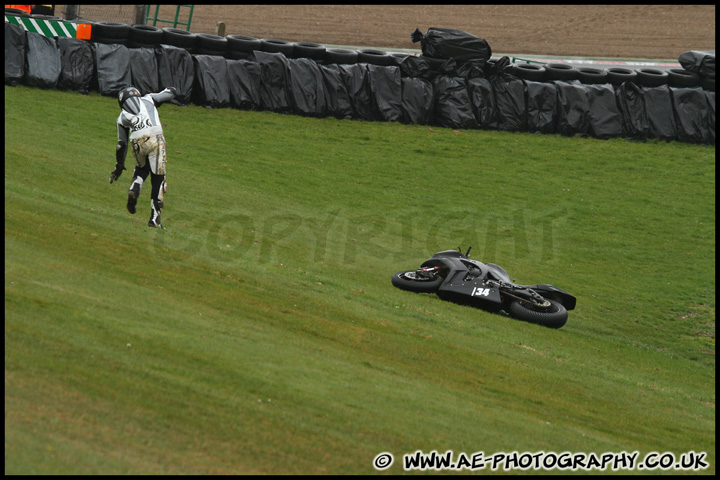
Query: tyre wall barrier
[[309, 80]]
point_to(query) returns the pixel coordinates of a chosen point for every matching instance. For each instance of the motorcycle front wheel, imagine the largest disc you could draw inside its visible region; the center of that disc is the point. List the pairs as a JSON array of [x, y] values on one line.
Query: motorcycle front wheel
[[554, 316], [409, 280]]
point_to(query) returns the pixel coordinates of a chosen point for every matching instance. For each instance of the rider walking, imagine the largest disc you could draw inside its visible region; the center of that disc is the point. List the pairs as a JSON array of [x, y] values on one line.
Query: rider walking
[[140, 124]]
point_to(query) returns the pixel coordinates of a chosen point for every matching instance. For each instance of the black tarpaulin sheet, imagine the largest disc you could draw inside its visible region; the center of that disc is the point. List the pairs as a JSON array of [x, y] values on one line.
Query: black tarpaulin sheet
[[337, 98], [661, 118], [274, 82], [510, 103], [691, 114], [541, 106], [42, 61], [77, 62], [211, 85], [144, 70], [355, 78], [452, 103], [698, 61], [307, 88], [15, 46], [572, 103], [175, 69], [414, 66], [482, 99], [244, 83], [710, 100], [113, 68], [631, 102], [604, 117], [417, 101], [386, 90], [452, 43]]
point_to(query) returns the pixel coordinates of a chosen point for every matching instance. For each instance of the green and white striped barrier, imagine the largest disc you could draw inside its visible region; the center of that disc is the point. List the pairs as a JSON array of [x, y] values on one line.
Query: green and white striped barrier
[[51, 28]]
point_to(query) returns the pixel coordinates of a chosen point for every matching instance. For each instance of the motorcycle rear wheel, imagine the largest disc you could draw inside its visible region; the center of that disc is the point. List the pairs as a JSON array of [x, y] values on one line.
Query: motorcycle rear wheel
[[555, 316], [408, 280]]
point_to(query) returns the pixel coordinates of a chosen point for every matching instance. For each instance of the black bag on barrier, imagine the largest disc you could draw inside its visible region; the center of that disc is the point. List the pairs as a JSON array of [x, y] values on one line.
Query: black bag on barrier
[[691, 113], [510, 103], [452, 43], [482, 99], [306, 87], [337, 98], [631, 101], [386, 89], [659, 108], [604, 115], [144, 70], [572, 110], [701, 62], [413, 66], [355, 78], [417, 101], [244, 83], [42, 61], [113, 68], [452, 103], [15, 46], [541, 106], [77, 64], [175, 69], [710, 98], [211, 82], [274, 81]]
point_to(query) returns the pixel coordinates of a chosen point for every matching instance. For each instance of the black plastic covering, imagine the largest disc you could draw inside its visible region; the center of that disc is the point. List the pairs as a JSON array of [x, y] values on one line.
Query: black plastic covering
[[457, 88], [144, 70], [244, 82], [631, 101], [604, 118], [273, 82], [211, 87], [700, 62], [113, 68], [541, 107], [307, 88], [452, 43], [78, 64], [509, 103], [42, 61], [175, 69], [337, 98], [386, 91], [573, 106], [452, 103], [691, 111], [661, 117], [15, 47]]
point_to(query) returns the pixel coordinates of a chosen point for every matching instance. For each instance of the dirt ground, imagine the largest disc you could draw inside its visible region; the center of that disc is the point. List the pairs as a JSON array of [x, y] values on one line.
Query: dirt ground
[[620, 31]]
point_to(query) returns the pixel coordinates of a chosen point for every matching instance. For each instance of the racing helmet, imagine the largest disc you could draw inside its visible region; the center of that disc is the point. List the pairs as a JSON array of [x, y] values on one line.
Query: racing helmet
[[129, 100]]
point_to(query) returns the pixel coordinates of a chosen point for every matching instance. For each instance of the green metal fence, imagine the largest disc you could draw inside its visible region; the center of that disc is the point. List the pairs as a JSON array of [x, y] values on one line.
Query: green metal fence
[[154, 18]]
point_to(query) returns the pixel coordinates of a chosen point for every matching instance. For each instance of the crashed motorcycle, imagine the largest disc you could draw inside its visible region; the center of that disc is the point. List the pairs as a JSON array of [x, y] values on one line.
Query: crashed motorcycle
[[453, 276]]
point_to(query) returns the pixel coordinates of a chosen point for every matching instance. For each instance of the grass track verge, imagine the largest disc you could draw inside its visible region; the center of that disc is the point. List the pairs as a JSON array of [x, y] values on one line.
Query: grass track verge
[[264, 334]]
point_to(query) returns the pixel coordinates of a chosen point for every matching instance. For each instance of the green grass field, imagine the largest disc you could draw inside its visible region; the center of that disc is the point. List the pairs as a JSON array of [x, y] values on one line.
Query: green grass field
[[260, 332]]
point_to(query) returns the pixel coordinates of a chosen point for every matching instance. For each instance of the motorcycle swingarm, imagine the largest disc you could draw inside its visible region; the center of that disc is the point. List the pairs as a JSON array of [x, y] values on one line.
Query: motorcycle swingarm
[[554, 293]]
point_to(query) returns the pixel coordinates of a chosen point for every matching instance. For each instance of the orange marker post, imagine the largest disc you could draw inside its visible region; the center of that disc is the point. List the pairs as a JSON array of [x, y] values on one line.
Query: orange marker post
[[84, 31]]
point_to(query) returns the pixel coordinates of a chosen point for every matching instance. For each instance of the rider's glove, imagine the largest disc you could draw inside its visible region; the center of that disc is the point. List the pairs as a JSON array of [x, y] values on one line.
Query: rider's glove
[[115, 174]]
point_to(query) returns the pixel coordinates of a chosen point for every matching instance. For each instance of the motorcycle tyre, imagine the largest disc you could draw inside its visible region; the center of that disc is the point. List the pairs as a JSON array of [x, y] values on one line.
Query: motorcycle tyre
[[418, 286], [554, 319]]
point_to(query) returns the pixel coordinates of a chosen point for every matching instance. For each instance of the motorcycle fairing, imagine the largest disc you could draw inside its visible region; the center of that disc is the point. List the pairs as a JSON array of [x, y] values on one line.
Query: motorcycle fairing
[[455, 267]]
